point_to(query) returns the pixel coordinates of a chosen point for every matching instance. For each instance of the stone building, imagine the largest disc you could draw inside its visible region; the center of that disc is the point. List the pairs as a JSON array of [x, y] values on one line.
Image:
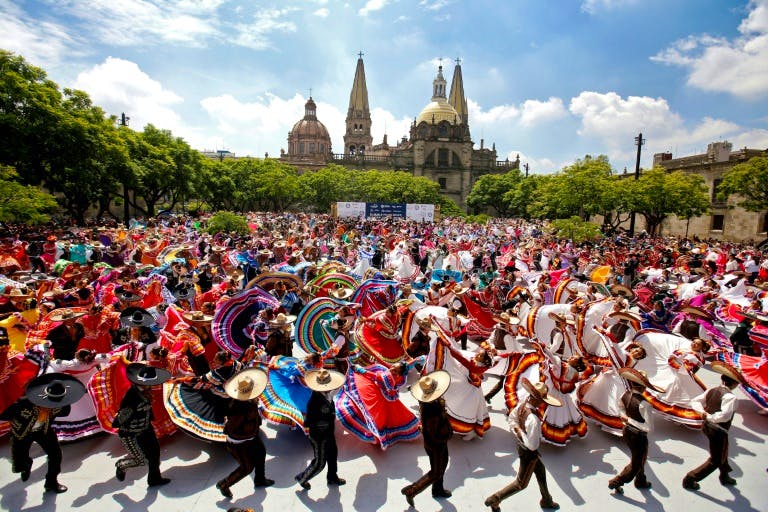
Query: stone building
[[309, 144], [439, 145], [724, 221]]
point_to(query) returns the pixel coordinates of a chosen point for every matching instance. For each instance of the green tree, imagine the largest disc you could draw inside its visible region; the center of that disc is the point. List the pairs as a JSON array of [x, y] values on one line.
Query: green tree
[[749, 181], [658, 194], [578, 189], [575, 229], [227, 222], [23, 203], [490, 191]]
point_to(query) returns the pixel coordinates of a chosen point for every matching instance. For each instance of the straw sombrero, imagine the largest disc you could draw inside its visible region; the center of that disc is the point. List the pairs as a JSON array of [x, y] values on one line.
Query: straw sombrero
[[424, 323], [729, 371], [432, 386], [694, 311], [341, 293], [61, 315], [625, 315], [12, 292], [560, 319], [197, 317], [54, 390], [638, 377], [624, 291], [281, 321], [540, 391], [246, 385], [323, 380]]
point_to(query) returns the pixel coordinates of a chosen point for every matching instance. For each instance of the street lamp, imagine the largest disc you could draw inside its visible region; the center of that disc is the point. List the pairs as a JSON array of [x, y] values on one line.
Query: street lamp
[[639, 141]]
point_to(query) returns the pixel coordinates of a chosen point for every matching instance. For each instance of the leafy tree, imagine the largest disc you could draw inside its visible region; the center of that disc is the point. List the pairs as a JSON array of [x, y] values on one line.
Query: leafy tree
[[490, 190], [658, 194], [575, 229], [227, 222], [522, 200], [579, 188], [22, 203], [749, 181]]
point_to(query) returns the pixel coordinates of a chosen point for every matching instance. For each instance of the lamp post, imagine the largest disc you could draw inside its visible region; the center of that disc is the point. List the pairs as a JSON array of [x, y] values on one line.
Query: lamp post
[[639, 141], [123, 121]]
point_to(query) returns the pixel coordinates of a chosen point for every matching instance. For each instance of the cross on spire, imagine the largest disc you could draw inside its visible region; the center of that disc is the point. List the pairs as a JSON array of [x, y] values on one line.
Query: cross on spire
[[360, 54], [458, 61], [310, 92]]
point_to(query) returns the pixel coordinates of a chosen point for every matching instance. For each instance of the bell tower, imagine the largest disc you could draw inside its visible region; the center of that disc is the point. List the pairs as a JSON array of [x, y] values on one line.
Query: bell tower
[[357, 138]]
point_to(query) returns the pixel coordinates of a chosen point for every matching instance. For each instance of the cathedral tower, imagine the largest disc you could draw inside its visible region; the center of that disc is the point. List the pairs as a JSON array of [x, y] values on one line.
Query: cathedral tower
[[457, 99], [357, 139]]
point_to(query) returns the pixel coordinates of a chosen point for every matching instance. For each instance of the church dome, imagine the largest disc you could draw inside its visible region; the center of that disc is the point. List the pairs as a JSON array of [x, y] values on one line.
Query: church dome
[[438, 111], [309, 127]]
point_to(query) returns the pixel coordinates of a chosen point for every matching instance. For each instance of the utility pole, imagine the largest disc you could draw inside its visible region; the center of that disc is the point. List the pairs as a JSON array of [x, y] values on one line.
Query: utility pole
[[525, 166], [639, 141], [123, 121]]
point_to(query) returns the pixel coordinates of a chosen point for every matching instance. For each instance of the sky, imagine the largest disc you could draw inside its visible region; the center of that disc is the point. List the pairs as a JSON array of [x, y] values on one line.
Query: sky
[[550, 81]]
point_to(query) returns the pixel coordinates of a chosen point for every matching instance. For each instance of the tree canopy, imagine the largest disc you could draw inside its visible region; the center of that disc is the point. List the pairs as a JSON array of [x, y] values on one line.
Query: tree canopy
[[749, 181]]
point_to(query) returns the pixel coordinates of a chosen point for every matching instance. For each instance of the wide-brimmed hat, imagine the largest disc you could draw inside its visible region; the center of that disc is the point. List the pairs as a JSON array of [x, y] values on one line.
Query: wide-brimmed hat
[[97, 245], [432, 386], [624, 291], [247, 384], [625, 315], [197, 317], [638, 377], [694, 311], [183, 292], [321, 379], [12, 292], [425, 323], [54, 390], [729, 371], [506, 318], [282, 320], [460, 290], [146, 375], [126, 295], [60, 315], [540, 391], [341, 293], [136, 317], [561, 319]]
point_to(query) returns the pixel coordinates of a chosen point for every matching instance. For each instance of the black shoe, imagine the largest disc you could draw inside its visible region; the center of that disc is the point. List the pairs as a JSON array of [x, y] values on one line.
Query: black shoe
[[120, 474], [691, 485], [408, 496], [549, 504], [25, 475], [643, 485], [441, 494], [336, 481], [224, 489], [158, 482], [727, 480], [615, 485], [487, 399], [55, 487], [303, 483], [493, 502], [264, 482]]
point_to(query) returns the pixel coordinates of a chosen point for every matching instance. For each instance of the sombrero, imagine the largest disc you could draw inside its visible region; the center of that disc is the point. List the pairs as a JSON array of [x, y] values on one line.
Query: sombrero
[[145, 375], [136, 317], [197, 317], [246, 385], [424, 323], [729, 371], [624, 291], [341, 293], [694, 311], [127, 296], [323, 380], [281, 321], [540, 391], [460, 290], [638, 377], [54, 390], [560, 319], [183, 292], [625, 315], [12, 292], [61, 315], [432, 386]]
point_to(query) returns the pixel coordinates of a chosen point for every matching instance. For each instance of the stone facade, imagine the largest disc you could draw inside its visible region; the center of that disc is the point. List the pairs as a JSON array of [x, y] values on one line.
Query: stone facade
[[725, 221]]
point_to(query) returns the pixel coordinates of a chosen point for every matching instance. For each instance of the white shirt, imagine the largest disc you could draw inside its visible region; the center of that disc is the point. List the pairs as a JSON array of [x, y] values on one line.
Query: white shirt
[[727, 407], [531, 431]]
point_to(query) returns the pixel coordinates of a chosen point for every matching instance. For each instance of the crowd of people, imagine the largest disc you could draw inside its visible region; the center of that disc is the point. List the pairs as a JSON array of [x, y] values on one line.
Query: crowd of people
[[307, 320]]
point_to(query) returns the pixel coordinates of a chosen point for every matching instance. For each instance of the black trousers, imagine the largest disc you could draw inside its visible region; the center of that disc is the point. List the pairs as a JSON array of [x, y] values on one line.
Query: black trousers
[[250, 456], [530, 464], [718, 455], [637, 441], [21, 461], [143, 450], [325, 452], [438, 463]]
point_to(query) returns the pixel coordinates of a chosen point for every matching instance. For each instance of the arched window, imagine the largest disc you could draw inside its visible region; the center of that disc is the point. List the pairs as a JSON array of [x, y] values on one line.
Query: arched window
[[301, 148], [352, 149], [311, 147]]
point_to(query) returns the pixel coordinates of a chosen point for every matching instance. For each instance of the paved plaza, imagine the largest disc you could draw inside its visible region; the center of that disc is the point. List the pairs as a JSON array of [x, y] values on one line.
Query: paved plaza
[[578, 474]]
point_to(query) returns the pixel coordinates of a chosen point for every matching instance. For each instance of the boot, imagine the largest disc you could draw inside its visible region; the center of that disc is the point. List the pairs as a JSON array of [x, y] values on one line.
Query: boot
[[55, 486], [406, 491], [224, 489]]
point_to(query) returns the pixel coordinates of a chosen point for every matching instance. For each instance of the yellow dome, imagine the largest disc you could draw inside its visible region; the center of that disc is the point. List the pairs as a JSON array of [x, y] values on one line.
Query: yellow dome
[[438, 110]]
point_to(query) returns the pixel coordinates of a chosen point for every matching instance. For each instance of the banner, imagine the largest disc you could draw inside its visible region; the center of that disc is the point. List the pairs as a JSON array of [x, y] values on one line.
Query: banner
[[385, 210], [350, 209], [417, 212], [420, 212]]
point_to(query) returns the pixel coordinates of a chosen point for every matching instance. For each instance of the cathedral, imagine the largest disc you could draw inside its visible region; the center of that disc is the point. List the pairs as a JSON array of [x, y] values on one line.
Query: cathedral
[[439, 145]]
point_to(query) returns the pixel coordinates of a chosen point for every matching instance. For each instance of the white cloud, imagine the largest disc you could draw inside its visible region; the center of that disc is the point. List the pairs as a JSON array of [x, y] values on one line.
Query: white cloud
[[738, 67], [383, 121], [479, 117], [119, 85], [371, 6], [434, 5], [255, 35], [41, 43], [594, 6], [535, 111], [322, 12]]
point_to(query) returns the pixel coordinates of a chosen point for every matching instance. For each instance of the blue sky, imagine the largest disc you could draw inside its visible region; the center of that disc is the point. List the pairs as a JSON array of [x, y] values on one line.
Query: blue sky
[[550, 80]]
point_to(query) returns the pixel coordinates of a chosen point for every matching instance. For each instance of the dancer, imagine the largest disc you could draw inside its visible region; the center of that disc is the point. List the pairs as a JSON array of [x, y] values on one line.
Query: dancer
[[525, 422], [436, 431]]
